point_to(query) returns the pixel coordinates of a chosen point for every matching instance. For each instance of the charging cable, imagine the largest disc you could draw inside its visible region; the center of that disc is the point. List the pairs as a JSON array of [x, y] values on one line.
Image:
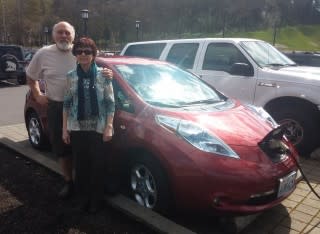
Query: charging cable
[[304, 176]]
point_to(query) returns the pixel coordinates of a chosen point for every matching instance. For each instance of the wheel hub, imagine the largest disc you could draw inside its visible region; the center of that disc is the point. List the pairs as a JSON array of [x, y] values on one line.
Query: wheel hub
[[143, 186]]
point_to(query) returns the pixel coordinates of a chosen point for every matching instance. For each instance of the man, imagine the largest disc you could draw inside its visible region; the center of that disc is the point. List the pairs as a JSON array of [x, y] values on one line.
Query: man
[[51, 63]]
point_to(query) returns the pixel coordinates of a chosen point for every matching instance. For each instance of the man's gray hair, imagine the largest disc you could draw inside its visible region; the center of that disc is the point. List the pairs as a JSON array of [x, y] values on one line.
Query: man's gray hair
[[72, 30]]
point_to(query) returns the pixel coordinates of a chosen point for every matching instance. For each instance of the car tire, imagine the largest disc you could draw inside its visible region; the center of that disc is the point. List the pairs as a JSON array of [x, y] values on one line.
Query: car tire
[[302, 127], [37, 138], [8, 63], [148, 183]]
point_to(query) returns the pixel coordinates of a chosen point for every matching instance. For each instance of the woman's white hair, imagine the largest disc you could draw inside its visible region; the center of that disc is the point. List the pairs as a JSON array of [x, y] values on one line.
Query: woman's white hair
[[71, 28]]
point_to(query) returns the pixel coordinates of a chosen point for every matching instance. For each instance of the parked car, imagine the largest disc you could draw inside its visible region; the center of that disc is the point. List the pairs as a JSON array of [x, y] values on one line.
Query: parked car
[[29, 55], [252, 71], [305, 58], [185, 144], [12, 63]]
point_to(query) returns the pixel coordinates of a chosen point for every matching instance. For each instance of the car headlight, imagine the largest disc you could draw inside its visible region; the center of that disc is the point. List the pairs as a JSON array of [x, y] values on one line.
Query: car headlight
[[196, 136], [263, 114]]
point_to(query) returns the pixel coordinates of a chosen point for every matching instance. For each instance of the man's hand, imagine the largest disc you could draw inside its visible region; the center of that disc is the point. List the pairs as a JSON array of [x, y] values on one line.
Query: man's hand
[[41, 99], [107, 73]]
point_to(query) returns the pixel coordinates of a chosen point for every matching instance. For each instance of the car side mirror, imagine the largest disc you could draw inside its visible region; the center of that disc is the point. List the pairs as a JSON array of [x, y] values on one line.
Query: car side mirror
[[241, 69]]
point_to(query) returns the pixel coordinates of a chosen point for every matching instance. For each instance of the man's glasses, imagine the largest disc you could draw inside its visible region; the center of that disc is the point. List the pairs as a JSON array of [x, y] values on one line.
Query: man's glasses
[[86, 52]]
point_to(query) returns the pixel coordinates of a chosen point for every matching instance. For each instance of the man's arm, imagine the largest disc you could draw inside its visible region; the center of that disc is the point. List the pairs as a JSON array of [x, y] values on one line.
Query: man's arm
[[35, 89], [107, 73]]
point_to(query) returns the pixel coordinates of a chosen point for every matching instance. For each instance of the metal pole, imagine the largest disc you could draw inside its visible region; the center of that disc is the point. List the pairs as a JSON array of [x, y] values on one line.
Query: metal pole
[[85, 28], [137, 34], [3, 3], [274, 33]]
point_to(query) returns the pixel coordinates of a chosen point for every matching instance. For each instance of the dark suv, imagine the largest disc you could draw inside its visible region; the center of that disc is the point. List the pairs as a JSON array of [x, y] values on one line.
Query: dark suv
[[305, 58], [12, 63]]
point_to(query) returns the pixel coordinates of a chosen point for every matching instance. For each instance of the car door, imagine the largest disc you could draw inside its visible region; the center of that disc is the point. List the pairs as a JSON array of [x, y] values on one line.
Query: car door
[[124, 117], [214, 67]]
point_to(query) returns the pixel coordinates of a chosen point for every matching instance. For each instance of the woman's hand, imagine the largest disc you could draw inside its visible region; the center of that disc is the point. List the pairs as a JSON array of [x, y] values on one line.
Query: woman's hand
[[107, 133], [65, 136]]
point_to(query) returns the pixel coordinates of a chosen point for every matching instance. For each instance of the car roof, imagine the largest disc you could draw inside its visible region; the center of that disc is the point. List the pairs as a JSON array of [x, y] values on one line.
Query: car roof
[[195, 40]]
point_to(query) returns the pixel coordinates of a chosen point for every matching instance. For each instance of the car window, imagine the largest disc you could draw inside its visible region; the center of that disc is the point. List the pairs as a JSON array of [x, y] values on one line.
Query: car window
[[122, 101], [15, 51], [221, 57], [152, 50], [265, 54], [183, 54]]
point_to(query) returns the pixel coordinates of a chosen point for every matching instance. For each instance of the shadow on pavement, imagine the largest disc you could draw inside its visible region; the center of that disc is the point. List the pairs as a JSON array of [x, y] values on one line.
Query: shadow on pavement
[[28, 203]]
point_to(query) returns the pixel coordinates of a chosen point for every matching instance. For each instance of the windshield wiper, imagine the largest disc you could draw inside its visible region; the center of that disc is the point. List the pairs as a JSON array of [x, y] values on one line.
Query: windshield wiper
[[205, 101], [161, 104], [281, 65], [275, 65]]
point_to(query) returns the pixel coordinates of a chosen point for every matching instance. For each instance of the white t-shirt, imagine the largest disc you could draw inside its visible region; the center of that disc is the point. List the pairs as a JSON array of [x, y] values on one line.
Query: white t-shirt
[[52, 65]]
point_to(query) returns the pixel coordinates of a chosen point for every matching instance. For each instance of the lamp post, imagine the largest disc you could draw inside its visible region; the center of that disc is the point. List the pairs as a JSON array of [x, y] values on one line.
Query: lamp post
[[85, 16], [274, 33], [46, 31], [313, 4], [138, 22]]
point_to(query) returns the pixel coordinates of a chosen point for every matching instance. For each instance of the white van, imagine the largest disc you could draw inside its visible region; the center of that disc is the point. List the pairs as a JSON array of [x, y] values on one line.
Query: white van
[[252, 71]]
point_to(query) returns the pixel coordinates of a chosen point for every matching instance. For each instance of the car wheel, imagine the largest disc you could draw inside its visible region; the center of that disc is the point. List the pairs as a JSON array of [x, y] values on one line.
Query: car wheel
[[22, 80], [301, 128], [36, 136], [149, 185]]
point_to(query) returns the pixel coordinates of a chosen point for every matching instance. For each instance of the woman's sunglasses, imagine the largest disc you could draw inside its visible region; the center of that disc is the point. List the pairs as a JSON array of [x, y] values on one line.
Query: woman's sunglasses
[[86, 52]]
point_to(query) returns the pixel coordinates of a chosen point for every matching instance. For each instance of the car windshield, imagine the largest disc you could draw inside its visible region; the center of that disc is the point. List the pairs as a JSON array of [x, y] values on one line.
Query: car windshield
[[167, 86], [265, 55]]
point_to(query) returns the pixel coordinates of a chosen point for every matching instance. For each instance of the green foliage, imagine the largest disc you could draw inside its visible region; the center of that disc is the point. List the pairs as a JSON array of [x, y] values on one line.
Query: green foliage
[[301, 37], [112, 22]]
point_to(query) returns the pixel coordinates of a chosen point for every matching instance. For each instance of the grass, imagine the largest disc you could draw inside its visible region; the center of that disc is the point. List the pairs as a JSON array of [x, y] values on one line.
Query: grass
[[290, 38], [300, 38]]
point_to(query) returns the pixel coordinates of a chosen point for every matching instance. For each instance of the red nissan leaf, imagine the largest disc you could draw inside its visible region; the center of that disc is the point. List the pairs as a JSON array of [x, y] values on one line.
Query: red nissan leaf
[[183, 144]]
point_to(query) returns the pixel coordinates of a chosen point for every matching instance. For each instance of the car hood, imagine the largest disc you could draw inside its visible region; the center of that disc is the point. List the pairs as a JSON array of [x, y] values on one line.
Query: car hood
[[237, 125], [296, 74]]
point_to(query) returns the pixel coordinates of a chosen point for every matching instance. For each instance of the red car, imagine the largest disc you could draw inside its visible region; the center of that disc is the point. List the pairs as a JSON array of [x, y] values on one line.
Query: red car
[[186, 145]]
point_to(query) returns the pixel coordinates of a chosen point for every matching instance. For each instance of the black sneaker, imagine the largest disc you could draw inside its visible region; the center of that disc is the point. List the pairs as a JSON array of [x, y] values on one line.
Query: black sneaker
[[67, 191]]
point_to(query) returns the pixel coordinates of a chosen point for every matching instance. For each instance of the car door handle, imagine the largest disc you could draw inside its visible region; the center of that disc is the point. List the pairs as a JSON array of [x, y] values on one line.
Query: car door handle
[[271, 85], [122, 127]]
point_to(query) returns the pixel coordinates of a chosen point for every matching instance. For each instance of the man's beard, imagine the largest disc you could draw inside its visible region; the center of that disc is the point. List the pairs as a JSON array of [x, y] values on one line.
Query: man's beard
[[65, 46]]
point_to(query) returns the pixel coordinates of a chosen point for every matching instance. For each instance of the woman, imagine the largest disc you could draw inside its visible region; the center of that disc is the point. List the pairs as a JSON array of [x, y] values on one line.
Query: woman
[[88, 112]]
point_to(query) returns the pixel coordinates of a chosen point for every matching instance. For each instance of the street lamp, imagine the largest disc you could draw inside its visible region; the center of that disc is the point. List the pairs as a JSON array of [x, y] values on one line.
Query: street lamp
[[138, 22], [46, 31], [85, 16]]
